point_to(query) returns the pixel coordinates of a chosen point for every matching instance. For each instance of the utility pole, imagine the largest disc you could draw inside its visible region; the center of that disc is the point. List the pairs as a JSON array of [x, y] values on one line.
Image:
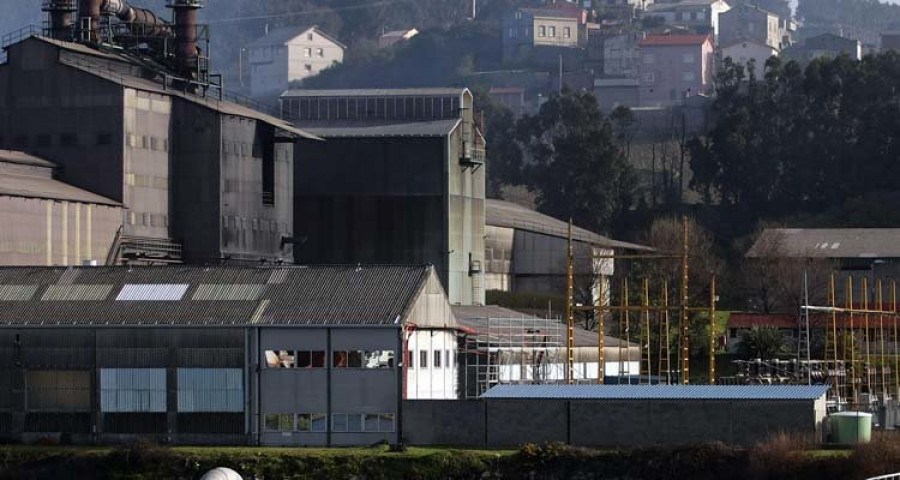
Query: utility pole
[[683, 328], [570, 311]]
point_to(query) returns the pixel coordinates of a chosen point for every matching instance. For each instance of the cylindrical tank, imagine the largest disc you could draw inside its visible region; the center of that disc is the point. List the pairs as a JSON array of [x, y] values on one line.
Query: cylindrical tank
[[186, 36], [61, 13], [221, 473], [848, 428]]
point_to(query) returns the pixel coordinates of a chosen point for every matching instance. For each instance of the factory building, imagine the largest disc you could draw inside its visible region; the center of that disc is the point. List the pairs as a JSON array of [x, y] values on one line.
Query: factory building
[[199, 178], [54, 223], [220, 355], [399, 179], [525, 251]]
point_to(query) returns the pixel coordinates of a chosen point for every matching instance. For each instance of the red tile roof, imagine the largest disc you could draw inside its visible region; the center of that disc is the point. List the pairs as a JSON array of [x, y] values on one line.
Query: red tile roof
[[674, 40], [816, 320]]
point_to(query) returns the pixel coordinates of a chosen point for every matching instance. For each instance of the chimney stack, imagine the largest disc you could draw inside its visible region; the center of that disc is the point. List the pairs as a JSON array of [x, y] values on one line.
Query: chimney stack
[[89, 21], [186, 57], [61, 13]]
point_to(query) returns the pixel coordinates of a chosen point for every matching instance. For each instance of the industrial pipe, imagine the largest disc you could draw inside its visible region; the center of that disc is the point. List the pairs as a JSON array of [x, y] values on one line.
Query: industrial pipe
[[144, 21]]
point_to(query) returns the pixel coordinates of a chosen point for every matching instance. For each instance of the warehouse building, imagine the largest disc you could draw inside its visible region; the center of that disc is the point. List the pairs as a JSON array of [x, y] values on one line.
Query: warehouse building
[[219, 355], [620, 415], [525, 251], [55, 223], [199, 178], [399, 179]]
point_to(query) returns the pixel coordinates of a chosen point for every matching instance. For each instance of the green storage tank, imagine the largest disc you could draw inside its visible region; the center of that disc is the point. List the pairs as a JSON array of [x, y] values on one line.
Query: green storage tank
[[848, 428]]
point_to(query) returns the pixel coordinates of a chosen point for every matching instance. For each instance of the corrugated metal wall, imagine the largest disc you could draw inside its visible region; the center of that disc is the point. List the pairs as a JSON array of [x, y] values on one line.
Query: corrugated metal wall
[[165, 381]]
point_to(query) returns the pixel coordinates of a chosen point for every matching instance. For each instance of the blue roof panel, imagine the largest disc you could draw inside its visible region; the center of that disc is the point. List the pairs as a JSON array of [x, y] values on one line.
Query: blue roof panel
[[658, 392]]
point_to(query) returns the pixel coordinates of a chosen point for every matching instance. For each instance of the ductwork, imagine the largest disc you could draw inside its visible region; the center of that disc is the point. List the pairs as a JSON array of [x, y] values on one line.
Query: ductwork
[[144, 21]]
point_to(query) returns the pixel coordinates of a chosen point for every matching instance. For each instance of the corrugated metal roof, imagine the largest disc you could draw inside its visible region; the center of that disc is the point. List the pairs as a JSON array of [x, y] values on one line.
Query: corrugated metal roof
[[34, 186], [376, 92], [315, 295], [152, 292], [22, 158], [497, 321], [827, 243], [84, 64], [658, 392], [437, 128], [499, 213]]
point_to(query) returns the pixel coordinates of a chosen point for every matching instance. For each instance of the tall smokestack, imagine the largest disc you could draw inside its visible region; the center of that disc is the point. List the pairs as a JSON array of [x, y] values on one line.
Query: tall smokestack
[[89, 20], [186, 36], [61, 14]]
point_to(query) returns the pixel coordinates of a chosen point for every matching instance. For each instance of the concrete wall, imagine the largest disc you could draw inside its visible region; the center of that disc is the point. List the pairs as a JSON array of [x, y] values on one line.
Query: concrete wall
[[430, 381], [146, 163], [671, 72], [607, 423]]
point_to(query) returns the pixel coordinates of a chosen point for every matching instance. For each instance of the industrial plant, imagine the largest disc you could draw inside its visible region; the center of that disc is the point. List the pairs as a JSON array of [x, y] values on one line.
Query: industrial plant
[[191, 268]]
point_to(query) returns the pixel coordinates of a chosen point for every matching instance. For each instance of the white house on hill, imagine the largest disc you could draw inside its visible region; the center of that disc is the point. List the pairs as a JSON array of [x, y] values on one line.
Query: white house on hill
[[289, 54]]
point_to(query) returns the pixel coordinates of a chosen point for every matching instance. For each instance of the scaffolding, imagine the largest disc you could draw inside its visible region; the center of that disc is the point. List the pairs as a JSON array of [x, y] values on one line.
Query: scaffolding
[[527, 350], [649, 312]]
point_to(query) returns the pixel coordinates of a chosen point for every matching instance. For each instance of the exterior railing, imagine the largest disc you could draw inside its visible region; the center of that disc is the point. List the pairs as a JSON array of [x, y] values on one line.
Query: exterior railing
[[16, 37], [891, 476]]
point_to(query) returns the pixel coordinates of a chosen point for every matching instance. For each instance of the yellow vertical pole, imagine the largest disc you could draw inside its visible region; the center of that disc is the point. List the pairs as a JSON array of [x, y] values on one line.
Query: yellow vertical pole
[[712, 330], [601, 362], [570, 310], [896, 369], [684, 331], [625, 326], [645, 335], [864, 296], [664, 354], [831, 338], [851, 341]]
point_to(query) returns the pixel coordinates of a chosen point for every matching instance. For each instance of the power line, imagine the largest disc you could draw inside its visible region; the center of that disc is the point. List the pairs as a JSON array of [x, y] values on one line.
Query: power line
[[305, 12]]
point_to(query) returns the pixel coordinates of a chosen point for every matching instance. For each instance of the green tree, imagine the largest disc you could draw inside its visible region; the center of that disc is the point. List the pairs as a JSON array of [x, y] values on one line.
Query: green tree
[[575, 163], [763, 342]]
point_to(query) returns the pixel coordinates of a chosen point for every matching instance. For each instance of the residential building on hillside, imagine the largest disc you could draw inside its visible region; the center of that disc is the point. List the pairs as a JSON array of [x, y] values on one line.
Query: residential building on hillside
[[394, 37], [290, 54], [674, 67], [47, 221], [399, 180], [827, 45], [701, 16], [621, 55], [746, 51], [562, 25], [890, 38], [749, 23]]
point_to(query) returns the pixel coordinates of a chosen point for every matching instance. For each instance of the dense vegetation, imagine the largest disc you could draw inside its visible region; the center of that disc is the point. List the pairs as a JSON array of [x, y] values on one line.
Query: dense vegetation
[[861, 19], [783, 457], [802, 141]]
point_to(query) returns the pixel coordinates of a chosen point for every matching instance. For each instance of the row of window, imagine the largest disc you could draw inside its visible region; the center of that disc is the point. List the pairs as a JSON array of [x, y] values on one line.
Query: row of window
[[650, 58], [372, 108], [308, 52], [650, 77], [340, 422], [368, 359], [545, 31], [62, 140], [449, 360]]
